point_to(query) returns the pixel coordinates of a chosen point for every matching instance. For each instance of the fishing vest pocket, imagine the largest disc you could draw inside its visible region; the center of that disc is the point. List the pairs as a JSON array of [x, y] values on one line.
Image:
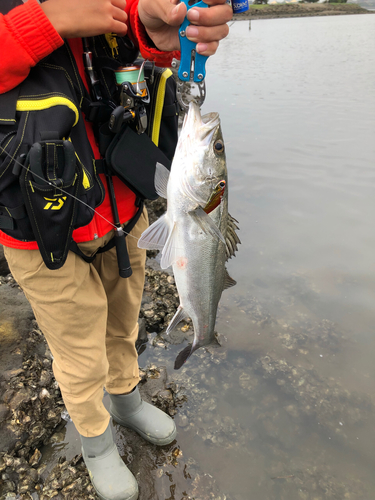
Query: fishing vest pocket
[[50, 183], [133, 157]]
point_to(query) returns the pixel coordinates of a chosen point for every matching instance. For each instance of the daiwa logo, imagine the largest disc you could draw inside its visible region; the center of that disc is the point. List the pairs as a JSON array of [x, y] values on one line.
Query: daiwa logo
[[54, 203]]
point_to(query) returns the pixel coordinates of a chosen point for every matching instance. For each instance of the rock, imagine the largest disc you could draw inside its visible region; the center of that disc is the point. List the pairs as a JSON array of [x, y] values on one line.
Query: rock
[[327, 403], [4, 412], [45, 378], [35, 459], [9, 374], [20, 397], [182, 421]]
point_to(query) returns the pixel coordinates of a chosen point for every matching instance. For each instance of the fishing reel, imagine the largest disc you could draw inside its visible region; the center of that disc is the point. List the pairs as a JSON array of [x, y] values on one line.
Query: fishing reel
[[133, 96]]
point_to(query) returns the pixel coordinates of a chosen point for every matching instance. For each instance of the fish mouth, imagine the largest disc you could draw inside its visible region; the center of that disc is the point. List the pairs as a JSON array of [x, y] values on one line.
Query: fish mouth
[[211, 119], [201, 127]]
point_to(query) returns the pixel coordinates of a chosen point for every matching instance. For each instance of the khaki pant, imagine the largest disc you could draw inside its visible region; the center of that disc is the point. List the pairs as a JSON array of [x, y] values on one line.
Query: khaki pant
[[89, 316]]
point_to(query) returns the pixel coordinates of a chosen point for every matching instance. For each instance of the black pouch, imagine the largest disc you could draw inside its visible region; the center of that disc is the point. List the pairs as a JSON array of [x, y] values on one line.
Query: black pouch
[[52, 206], [133, 157]]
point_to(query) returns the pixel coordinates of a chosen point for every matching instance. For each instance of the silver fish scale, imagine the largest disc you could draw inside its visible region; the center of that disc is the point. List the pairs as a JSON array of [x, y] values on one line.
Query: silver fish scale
[[199, 277]]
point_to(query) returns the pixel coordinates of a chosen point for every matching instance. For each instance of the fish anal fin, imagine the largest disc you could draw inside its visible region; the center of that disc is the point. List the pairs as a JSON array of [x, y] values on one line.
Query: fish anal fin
[[161, 179], [205, 222], [177, 318], [156, 235], [228, 281]]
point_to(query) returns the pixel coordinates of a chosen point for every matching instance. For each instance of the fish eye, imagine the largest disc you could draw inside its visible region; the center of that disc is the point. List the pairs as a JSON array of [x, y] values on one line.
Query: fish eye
[[219, 147]]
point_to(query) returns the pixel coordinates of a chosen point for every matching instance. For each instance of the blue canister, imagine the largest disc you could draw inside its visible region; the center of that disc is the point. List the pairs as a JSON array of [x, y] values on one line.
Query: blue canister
[[240, 6]]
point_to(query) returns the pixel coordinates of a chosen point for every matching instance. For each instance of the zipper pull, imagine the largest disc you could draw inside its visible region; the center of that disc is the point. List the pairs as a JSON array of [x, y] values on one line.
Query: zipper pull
[[112, 42]]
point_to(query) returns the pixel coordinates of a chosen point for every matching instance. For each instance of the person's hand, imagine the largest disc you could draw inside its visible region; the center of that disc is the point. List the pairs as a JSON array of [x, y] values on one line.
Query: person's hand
[[162, 18], [80, 18]]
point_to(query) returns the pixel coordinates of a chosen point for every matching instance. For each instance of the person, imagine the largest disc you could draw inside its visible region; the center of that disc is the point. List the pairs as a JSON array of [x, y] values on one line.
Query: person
[[88, 314]]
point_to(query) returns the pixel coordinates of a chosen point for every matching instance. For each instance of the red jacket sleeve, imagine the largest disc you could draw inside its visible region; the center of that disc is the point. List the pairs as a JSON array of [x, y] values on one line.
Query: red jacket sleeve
[[138, 35], [26, 37]]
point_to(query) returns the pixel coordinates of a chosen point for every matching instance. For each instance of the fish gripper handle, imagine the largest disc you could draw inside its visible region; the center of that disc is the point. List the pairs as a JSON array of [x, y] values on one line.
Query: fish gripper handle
[[192, 65]]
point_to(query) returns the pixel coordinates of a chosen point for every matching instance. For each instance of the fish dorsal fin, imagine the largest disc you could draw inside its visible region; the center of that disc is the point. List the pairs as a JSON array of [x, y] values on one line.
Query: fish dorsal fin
[[231, 238], [155, 236], [228, 281], [169, 252], [177, 318], [205, 222], [161, 180]]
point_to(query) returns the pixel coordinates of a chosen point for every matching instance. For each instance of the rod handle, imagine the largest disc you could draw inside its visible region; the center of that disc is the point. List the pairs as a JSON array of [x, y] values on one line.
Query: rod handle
[[123, 261]]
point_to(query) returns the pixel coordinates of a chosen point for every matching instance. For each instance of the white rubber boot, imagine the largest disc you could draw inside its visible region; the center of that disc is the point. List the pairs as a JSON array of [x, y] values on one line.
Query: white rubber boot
[[151, 423], [109, 475]]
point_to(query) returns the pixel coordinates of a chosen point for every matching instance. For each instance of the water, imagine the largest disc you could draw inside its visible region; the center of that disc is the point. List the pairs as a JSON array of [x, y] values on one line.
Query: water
[[297, 103], [285, 413]]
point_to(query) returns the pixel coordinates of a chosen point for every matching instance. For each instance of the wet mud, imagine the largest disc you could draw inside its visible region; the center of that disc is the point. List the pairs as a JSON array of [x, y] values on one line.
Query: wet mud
[[284, 402]]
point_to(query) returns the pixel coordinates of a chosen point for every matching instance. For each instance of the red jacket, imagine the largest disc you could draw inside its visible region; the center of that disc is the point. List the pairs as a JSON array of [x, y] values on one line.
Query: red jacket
[[26, 37]]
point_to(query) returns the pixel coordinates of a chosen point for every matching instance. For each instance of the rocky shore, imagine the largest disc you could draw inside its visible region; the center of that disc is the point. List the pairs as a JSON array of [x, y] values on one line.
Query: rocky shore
[[300, 10], [288, 402]]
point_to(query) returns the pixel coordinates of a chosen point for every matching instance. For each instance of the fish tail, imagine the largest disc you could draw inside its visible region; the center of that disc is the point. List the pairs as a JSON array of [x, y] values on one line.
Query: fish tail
[[183, 356]]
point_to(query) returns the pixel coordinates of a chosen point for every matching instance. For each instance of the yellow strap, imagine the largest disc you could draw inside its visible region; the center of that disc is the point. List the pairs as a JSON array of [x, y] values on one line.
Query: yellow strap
[[159, 106], [37, 105]]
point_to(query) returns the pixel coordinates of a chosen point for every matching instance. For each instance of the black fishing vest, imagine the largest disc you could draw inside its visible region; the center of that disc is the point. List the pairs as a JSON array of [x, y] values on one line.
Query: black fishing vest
[[49, 182]]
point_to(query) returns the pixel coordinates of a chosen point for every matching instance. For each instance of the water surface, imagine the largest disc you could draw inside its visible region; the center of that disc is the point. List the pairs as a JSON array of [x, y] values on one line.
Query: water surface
[[297, 103]]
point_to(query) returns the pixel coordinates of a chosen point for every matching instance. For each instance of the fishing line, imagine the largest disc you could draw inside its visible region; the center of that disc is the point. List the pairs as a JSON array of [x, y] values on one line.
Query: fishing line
[[65, 192], [75, 198]]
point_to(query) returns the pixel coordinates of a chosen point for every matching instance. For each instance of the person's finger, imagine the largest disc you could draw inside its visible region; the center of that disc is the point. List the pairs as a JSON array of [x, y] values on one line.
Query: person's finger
[[216, 15], [156, 14], [207, 49], [121, 4], [203, 34], [119, 15], [119, 28]]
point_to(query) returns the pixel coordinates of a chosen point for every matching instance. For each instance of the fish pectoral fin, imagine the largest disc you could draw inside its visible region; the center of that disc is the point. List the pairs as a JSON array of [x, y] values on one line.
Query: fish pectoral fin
[[228, 281], [177, 318], [205, 222], [161, 180], [155, 236], [169, 252]]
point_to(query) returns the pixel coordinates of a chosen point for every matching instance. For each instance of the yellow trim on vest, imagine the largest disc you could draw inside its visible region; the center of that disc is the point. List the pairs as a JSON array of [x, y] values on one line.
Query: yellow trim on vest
[[159, 106], [37, 105], [85, 180]]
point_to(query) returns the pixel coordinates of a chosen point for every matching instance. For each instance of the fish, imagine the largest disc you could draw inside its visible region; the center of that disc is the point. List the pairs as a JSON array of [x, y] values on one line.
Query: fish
[[196, 235]]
